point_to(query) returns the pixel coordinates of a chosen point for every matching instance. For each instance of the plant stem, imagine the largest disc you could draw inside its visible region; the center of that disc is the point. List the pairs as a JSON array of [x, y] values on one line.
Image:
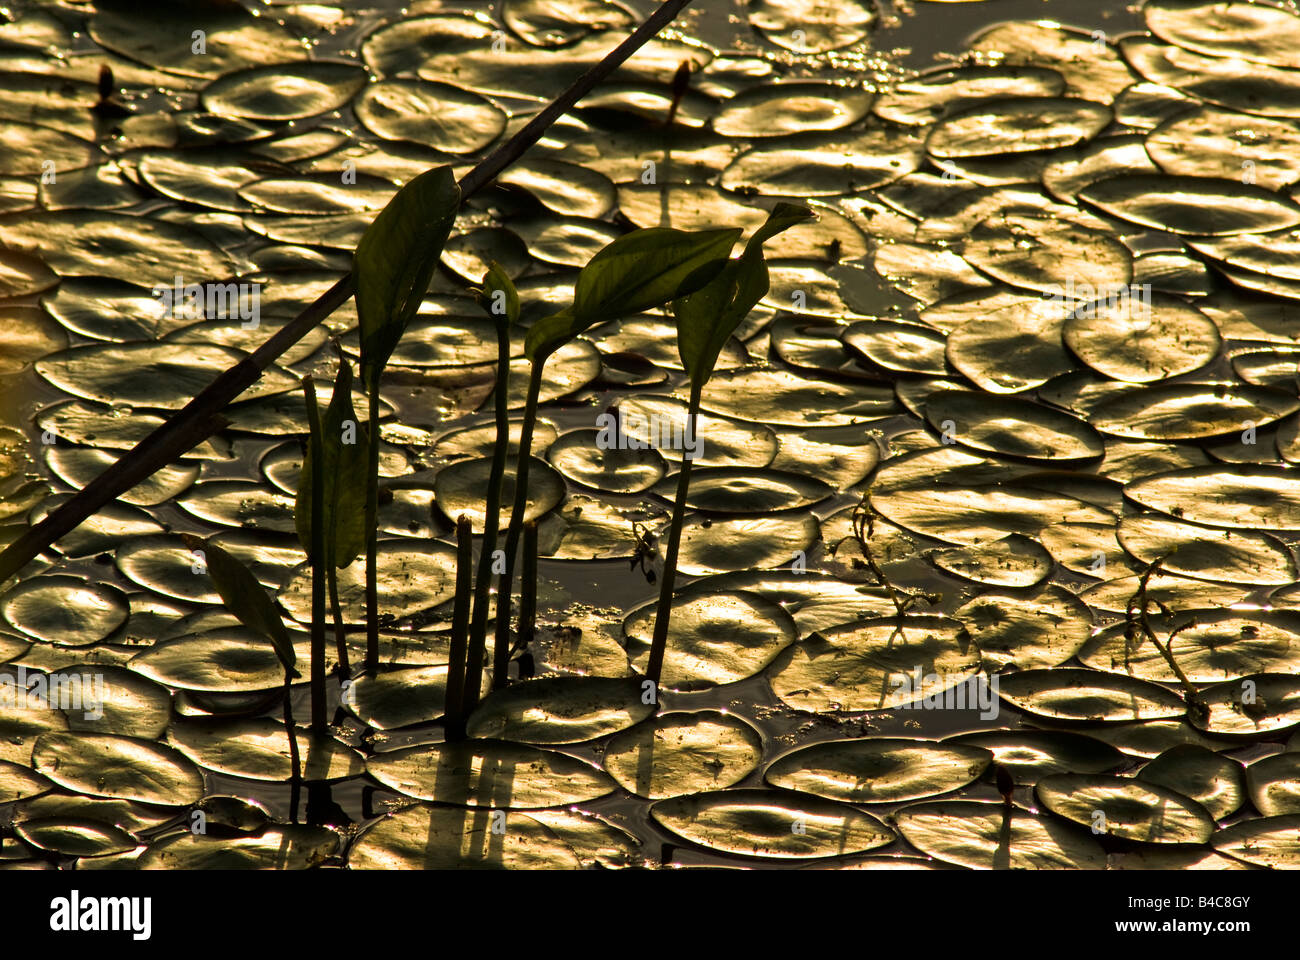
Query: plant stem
[[199, 419], [318, 560], [454, 713], [528, 587], [289, 730], [501, 650], [491, 521], [340, 634], [372, 537], [659, 643]]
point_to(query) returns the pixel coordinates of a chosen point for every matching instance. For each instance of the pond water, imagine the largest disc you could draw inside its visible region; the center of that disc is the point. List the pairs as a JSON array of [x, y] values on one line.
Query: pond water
[[1034, 363]]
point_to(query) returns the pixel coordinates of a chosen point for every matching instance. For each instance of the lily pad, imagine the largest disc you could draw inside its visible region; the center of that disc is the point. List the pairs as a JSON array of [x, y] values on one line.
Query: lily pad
[[991, 836], [490, 774], [878, 770], [554, 710], [770, 823], [1130, 809], [682, 753], [121, 768]]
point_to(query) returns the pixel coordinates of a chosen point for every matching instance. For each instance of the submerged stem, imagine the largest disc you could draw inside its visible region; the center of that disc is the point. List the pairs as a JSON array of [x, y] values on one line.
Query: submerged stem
[[501, 650]]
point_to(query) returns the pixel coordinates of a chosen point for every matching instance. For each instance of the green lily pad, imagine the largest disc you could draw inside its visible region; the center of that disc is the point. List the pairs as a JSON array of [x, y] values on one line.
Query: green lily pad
[[713, 637], [490, 774], [771, 823], [554, 710], [992, 836], [1214, 781], [1069, 694], [682, 753], [875, 665], [878, 770], [1126, 808], [120, 768], [1030, 755]]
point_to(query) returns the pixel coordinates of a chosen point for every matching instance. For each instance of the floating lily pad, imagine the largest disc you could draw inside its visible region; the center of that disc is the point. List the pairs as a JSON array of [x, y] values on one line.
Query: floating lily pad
[[121, 768], [1214, 781], [440, 115], [1179, 411], [258, 749], [413, 579], [1027, 632], [730, 490], [75, 837], [778, 109], [683, 753], [928, 97], [1274, 784], [65, 609], [18, 782], [1272, 842], [905, 347], [991, 836], [1240, 556], [745, 543], [824, 165], [459, 487], [424, 837], [151, 375], [578, 455], [1255, 32], [713, 637], [1253, 705], [879, 770], [724, 441], [1069, 694], [1139, 341], [1126, 808], [489, 774], [222, 660], [115, 245], [806, 27], [1012, 348], [1196, 205], [398, 698], [78, 466], [1030, 755], [770, 823], [284, 91], [875, 664], [773, 396], [284, 847], [1012, 426], [1017, 125], [561, 710]]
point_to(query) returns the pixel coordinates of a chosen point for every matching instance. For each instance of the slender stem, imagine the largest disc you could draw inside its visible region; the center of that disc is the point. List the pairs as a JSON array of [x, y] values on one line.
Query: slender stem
[[501, 650], [336, 611], [454, 709], [198, 420], [491, 521], [659, 643], [318, 560], [372, 537], [528, 587], [289, 729]]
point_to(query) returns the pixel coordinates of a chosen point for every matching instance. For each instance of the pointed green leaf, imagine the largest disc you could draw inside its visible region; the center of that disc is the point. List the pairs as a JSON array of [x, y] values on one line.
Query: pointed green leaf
[[647, 268], [394, 261], [245, 598], [550, 333], [344, 442], [708, 317], [499, 297]]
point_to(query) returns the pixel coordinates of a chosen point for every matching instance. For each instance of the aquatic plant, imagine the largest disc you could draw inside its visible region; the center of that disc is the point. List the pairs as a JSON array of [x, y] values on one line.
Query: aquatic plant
[[248, 601], [706, 318], [392, 266], [640, 270]]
